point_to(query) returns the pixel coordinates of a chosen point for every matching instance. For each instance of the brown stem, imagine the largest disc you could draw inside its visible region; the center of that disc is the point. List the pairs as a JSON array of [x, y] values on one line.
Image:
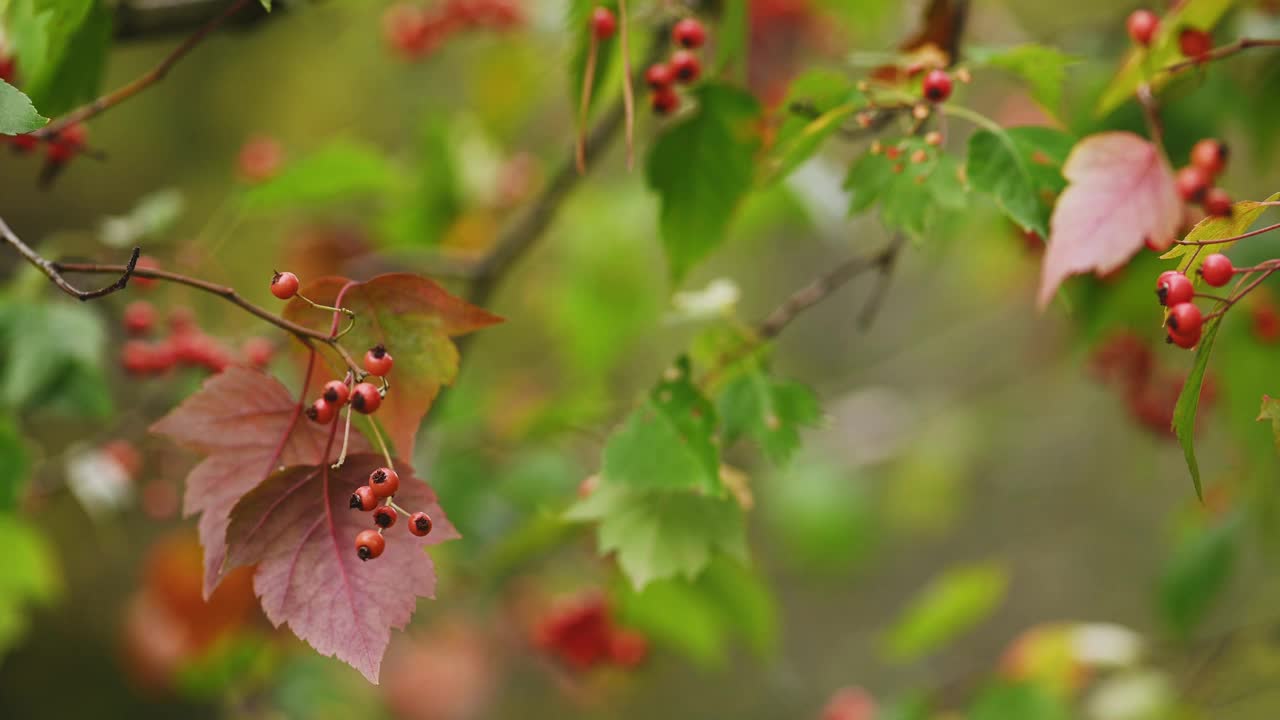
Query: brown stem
[[628, 95], [151, 77], [52, 271], [1224, 241], [1151, 111], [827, 283], [588, 80], [1221, 52]]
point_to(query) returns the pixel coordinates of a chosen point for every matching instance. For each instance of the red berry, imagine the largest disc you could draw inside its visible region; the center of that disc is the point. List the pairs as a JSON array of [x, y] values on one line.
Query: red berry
[[1266, 323], [405, 28], [1194, 43], [603, 23], [260, 158], [1210, 156], [284, 285], [1192, 183], [628, 648], [659, 75], [8, 70], [1217, 270], [364, 499], [258, 351], [1184, 340], [689, 33], [1217, 202], [139, 317], [1174, 288], [65, 145], [420, 524], [146, 262], [937, 86], [665, 100], [384, 481], [1142, 26], [365, 398], [321, 412], [335, 392], [377, 361], [1185, 319], [135, 357], [370, 544], [384, 517], [23, 143], [686, 66]]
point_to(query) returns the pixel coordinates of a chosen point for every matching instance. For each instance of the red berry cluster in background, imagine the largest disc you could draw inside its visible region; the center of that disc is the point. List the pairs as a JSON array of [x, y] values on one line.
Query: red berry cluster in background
[[416, 32], [378, 497], [682, 68], [1127, 363], [1193, 43], [186, 345], [1195, 181], [60, 149], [259, 159], [8, 68], [583, 635]]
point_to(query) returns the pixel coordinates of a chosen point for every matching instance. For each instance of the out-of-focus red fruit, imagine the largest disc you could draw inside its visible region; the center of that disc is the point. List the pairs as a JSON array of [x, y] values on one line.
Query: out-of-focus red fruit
[[1194, 43], [139, 317], [160, 500], [125, 455], [9, 70], [260, 159], [1266, 323], [628, 648], [258, 351], [145, 262], [1142, 26], [405, 28], [850, 703], [447, 673]]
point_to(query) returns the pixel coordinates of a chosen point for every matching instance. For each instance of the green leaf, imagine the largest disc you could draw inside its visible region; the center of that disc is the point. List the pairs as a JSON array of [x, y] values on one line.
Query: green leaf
[[426, 206], [266, 5], [1196, 574], [701, 169], [16, 461], [1043, 68], [1164, 51], [699, 618], [914, 183], [152, 216], [1021, 168], [822, 516], [1243, 214], [953, 603], [1020, 701], [733, 29], [662, 535], [30, 577], [61, 46], [17, 114], [667, 443], [343, 170], [833, 97], [52, 353], [1184, 413], [768, 410]]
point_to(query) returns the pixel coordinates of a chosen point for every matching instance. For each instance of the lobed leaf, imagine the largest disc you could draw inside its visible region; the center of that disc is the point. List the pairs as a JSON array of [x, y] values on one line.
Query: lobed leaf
[[914, 183], [833, 96], [1043, 68], [1020, 168], [769, 410]]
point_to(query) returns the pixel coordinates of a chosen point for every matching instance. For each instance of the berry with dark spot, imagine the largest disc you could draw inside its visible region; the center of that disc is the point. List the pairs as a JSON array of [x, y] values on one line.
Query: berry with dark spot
[[370, 544], [384, 481], [420, 524], [384, 517]]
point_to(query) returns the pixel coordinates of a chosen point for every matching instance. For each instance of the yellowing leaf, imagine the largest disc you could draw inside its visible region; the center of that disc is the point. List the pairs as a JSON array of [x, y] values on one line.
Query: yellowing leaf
[[1243, 214]]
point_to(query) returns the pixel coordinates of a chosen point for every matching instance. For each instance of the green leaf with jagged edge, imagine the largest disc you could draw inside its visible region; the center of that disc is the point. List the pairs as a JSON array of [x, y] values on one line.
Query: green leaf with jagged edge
[[702, 169], [343, 170], [1164, 51], [914, 183], [1197, 573], [700, 618], [17, 114], [61, 47], [770, 411], [1243, 214], [51, 357], [30, 577], [1020, 167], [668, 442], [578, 25], [1184, 413], [953, 603], [818, 103], [662, 535], [1043, 68], [15, 458]]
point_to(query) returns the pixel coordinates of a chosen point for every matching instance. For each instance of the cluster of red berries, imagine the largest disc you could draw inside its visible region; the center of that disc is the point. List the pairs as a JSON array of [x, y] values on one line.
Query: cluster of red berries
[[583, 635], [378, 497], [1193, 43], [1176, 292], [416, 32], [1195, 181], [59, 149], [187, 345], [1150, 392], [365, 397], [683, 67]]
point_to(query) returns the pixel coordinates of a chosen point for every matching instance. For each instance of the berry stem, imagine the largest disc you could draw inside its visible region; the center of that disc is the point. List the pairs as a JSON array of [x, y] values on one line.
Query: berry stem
[[1221, 52], [1224, 241], [628, 95], [588, 82], [391, 503], [346, 437], [382, 444], [345, 311]]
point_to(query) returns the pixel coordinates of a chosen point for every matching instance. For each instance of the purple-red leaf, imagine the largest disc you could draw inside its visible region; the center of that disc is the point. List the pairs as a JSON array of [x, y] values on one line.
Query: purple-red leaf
[[1121, 194], [297, 526], [248, 426], [415, 319]]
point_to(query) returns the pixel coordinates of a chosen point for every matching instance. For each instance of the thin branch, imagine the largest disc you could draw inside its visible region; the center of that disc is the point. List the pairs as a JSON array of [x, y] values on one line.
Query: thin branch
[[51, 271], [1151, 111], [826, 284], [1221, 52], [151, 77], [1224, 241]]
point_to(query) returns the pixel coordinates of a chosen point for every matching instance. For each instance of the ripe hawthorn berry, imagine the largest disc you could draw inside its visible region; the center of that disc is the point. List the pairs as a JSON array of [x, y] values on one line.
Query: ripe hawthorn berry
[[1194, 43], [659, 75], [8, 69], [384, 517], [370, 544], [321, 412], [665, 100], [65, 145], [365, 398], [260, 159], [384, 481], [1142, 26], [146, 262], [1217, 202], [689, 33], [284, 285], [335, 392], [364, 499], [686, 66], [258, 351], [603, 23], [420, 524], [937, 86], [1210, 156], [139, 317], [1185, 319], [1174, 288], [1217, 270], [1192, 183], [377, 361]]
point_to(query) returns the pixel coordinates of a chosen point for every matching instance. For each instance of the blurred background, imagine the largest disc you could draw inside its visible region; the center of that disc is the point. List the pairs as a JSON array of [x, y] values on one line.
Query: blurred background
[[985, 497]]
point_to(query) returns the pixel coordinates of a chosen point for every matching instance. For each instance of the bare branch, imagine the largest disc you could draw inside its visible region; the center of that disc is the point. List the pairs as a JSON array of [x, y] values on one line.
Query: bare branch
[[51, 271]]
